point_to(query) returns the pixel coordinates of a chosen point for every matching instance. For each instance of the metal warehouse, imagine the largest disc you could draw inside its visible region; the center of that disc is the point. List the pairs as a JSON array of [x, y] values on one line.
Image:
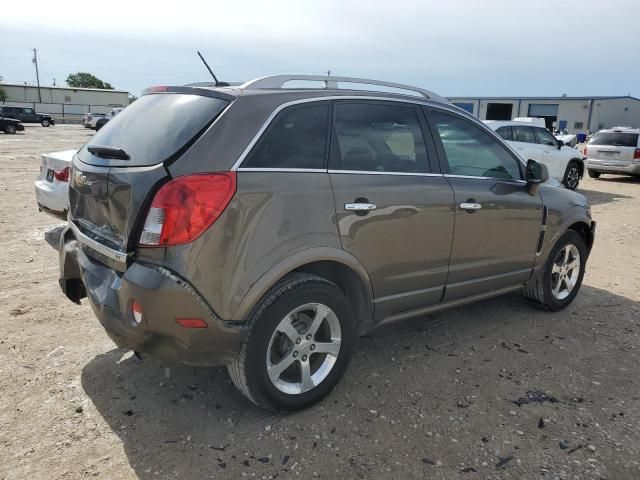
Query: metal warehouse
[[575, 114], [66, 104]]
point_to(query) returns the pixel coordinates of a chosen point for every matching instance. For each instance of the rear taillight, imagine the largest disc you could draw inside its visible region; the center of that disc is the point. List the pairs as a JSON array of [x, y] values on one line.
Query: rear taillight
[[585, 151], [186, 206], [636, 154], [62, 175]]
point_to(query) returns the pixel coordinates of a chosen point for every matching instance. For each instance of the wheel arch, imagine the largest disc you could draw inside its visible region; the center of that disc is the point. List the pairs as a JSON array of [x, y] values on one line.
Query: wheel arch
[[585, 231]]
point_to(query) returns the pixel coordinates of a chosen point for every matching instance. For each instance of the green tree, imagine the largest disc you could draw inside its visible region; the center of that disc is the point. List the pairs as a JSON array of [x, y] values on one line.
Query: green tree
[[87, 80], [3, 95]]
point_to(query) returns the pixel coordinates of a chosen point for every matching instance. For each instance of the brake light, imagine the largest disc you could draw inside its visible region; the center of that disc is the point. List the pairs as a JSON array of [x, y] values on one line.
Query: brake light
[[186, 206], [62, 175], [585, 151], [636, 154], [191, 322]]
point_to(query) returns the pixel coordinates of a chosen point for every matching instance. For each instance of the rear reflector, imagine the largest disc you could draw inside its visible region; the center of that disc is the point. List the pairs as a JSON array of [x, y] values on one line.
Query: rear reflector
[[136, 311], [62, 175], [185, 207], [191, 322]]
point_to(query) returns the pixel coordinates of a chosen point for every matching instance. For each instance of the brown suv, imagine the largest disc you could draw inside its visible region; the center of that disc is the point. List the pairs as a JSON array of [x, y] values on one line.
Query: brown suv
[[264, 227]]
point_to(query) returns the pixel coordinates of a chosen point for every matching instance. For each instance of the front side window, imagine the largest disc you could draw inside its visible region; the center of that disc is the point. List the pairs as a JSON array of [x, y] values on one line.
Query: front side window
[[524, 134], [505, 132], [379, 138], [28, 111], [297, 138], [545, 138], [472, 152]]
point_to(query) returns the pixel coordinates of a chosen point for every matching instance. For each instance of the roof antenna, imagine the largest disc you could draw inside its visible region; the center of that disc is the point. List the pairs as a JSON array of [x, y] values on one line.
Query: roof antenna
[[218, 84]]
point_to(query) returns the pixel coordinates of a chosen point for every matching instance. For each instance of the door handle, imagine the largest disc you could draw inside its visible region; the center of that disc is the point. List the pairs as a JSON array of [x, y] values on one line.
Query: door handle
[[360, 207], [470, 206]]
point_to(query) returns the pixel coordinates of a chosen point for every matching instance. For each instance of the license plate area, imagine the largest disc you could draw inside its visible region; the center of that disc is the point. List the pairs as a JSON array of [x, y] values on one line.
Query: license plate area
[[609, 153], [50, 175]]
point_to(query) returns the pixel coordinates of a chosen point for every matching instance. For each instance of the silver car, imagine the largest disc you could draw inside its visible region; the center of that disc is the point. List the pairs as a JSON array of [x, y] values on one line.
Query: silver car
[[615, 150]]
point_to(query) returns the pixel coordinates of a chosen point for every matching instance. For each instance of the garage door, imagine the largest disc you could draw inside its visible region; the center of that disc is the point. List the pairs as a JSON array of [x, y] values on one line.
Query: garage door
[[543, 110]]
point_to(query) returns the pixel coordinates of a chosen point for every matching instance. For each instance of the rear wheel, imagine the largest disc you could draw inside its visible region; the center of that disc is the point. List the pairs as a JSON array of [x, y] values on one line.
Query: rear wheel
[[594, 174], [99, 125], [561, 279], [10, 129], [301, 336], [45, 122], [572, 176]]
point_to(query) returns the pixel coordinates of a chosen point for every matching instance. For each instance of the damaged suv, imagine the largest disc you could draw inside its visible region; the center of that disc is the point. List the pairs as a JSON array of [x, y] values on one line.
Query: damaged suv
[[264, 227]]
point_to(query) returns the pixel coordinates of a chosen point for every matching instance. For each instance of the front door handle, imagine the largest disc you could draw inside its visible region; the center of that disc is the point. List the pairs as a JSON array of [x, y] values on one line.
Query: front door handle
[[360, 207], [470, 206]]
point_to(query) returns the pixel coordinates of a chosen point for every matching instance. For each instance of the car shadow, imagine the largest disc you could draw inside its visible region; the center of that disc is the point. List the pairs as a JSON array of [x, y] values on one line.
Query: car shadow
[[193, 423], [597, 197]]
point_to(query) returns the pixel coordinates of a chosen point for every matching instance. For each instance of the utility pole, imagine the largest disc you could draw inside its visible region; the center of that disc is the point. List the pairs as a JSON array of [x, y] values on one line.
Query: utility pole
[[35, 61]]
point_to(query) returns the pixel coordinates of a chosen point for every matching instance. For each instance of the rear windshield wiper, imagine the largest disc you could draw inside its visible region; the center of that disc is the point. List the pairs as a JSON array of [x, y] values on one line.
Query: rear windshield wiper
[[105, 151]]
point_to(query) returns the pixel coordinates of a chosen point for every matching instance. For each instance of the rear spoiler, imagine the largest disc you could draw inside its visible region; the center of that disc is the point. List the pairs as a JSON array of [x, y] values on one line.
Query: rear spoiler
[[205, 92]]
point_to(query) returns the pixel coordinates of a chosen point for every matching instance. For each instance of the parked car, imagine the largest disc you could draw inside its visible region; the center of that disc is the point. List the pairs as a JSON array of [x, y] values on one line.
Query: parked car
[[264, 227], [533, 142], [101, 122], [27, 115], [10, 125], [52, 184], [615, 150], [90, 119]]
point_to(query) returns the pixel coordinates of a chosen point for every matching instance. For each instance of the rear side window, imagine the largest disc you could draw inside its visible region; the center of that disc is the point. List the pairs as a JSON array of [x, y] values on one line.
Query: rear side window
[[379, 138], [472, 152], [505, 132], [524, 134], [297, 138], [154, 128], [545, 138], [615, 139]]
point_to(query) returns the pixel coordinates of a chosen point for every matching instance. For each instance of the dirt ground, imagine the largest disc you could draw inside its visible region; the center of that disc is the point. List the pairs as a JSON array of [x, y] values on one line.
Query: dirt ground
[[431, 398]]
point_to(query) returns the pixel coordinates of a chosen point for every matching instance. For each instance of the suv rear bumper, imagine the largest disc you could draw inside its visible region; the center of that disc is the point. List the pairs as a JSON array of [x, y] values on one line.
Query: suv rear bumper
[[163, 297], [613, 166]]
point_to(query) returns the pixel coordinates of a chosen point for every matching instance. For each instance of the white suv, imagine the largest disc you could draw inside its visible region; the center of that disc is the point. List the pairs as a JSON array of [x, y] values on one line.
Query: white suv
[[615, 150], [536, 143]]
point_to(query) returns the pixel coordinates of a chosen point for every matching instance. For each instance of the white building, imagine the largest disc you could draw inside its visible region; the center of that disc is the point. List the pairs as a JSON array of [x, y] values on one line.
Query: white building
[[66, 104], [576, 114]]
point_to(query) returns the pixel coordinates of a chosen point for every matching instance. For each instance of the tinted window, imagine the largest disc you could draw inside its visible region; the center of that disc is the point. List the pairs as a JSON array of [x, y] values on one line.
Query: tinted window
[[505, 132], [28, 111], [615, 139], [545, 138], [524, 134], [296, 139], [154, 127], [471, 151], [380, 138]]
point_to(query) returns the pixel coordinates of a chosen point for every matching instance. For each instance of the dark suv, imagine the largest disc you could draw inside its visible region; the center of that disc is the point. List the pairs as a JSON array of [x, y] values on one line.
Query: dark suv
[[264, 227], [27, 115]]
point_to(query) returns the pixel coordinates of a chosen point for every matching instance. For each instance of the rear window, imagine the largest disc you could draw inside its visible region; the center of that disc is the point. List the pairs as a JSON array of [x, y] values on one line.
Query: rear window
[[154, 128], [615, 139]]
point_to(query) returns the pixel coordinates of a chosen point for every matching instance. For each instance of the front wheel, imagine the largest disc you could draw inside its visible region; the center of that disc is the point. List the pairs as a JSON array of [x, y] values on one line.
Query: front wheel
[[299, 342], [593, 173], [561, 278], [45, 122], [10, 129], [571, 176]]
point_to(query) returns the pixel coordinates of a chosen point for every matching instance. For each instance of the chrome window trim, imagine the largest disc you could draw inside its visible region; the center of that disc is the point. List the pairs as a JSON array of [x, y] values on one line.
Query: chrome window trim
[[279, 108], [509, 180], [82, 239], [292, 170], [403, 174]]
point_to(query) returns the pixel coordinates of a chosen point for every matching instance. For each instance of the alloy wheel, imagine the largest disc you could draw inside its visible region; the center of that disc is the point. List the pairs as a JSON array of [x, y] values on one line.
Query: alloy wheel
[[304, 348], [565, 271], [573, 177]]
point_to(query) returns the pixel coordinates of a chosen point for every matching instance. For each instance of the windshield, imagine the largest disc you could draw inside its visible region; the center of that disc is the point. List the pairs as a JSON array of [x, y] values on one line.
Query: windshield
[[615, 139], [153, 128]]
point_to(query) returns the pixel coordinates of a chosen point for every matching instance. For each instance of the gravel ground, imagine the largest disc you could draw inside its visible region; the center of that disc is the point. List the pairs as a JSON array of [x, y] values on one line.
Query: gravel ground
[[493, 390]]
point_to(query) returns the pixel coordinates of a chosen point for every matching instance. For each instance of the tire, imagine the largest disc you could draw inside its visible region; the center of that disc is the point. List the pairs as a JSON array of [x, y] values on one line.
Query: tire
[[293, 304], [593, 173], [99, 125], [45, 122], [10, 129], [572, 175], [542, 289]]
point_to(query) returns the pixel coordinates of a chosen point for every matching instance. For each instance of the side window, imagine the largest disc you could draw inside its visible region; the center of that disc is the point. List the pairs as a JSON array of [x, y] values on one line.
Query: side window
[[472, 152], [297, 138], [545, 138], [374, 137], [524, 134], [505, 132], [28, 111]]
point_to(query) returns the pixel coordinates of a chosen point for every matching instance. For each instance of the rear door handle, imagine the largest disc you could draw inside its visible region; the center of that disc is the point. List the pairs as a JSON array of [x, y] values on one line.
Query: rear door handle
[[359, 207], [470, 206]]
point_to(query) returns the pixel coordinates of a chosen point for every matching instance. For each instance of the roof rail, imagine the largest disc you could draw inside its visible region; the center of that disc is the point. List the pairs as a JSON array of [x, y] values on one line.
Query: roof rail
[[331, 82]]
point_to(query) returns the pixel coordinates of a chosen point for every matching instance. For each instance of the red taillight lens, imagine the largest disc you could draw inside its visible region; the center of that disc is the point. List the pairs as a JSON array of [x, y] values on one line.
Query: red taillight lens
[[636, 154], [585, 151], [136, 311], [191, 322], [62, 175], [186, 206]]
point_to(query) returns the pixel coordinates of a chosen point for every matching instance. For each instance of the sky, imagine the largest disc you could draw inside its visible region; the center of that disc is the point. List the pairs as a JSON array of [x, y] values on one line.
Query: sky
[[452, 47]]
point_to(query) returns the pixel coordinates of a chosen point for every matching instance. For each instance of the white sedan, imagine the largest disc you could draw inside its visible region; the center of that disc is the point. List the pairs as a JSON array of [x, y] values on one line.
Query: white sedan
[[566, 164], [52, 185]]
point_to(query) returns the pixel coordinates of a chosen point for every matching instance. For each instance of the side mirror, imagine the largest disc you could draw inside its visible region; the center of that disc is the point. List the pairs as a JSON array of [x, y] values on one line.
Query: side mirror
[[537, 173], [560, 144]]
